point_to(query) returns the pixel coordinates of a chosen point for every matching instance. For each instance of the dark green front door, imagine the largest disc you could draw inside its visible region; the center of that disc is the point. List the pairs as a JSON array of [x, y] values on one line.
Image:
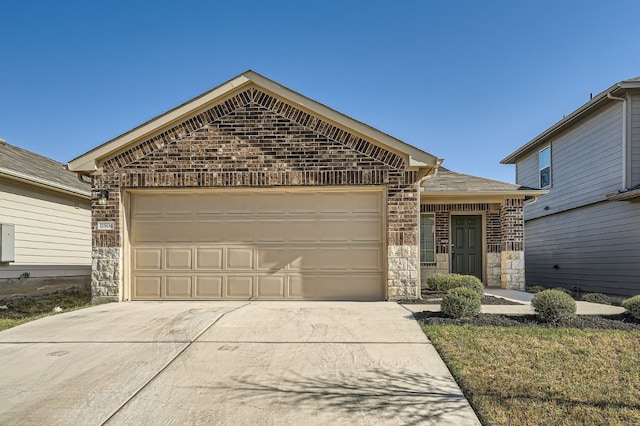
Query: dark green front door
[[466, 248]]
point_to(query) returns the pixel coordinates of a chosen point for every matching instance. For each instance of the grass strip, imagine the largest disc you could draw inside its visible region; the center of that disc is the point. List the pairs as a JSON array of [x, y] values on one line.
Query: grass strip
[[535, 375]]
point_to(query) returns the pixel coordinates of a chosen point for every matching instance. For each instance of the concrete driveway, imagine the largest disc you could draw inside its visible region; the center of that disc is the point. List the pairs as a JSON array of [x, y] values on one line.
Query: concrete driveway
[[236, 363]]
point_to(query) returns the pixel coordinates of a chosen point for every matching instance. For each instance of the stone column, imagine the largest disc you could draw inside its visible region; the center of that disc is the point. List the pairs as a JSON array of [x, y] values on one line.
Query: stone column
[[106, 268], [512, 245]]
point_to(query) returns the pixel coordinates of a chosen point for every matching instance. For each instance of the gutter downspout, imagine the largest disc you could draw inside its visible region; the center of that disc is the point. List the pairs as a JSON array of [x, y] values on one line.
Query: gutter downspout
[[624, 138]]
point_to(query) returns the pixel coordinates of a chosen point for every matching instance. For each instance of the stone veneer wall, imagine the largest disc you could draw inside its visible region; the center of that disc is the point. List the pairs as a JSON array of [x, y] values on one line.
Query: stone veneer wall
[[254, 140], [504, 232], [512, 255]]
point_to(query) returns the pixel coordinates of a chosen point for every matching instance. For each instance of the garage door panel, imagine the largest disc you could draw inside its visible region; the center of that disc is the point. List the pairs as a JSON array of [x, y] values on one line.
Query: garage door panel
[[178, 287], [270, 203], [303, 203], [207, 205], [239, 287], [209, 258], [178, 205], [178, 258], [301, 258], [209, 232], [335, 202], [302, 231], [366, 202], [147, 258], [148, 204], [147, 287], [332, 258], [248, 244], [271, 287], [239, 259], [238, 231], [368, 259], [238, 203], [328, 287], [208, 287], [272, 259], [175, 231], [366, 230], [147, 232], [269, 230], [334, 229]]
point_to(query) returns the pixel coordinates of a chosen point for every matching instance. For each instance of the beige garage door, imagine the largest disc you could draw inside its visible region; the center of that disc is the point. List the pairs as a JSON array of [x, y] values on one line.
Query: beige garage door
[[322, 245]]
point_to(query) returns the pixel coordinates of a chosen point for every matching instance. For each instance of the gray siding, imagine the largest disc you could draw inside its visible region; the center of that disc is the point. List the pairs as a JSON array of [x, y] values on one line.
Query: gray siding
[[634, 141], [586, 164], [596, 248], [527, 170]]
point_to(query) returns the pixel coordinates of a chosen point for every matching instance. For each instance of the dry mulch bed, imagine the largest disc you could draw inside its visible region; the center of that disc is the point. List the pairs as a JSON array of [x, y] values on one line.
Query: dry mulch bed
[[624, 322]]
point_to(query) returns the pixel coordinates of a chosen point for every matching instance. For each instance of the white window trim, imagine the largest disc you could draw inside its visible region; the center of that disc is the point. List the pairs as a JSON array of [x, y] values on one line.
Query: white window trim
[[542, 168], [424, 262]]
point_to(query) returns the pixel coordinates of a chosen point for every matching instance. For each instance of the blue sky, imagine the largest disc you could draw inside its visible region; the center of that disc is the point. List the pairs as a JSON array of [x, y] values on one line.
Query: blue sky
[[466, 80]]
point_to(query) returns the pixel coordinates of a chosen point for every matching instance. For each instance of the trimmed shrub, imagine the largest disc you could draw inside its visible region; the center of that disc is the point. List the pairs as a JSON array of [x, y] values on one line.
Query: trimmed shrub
[[554, 305], [535, 289], [632, 305], [445, 282], [437, 282], [564, 290], [597, 298], [467, 281], [461, 302]]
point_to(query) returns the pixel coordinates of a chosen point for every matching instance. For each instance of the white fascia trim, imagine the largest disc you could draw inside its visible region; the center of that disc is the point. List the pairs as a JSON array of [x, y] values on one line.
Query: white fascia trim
[[43, 183], [87, 162], [414, 157]]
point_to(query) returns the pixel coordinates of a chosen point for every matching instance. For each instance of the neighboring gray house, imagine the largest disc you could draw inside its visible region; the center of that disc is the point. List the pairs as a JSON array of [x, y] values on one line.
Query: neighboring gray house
[[45, 221], [585, 234]]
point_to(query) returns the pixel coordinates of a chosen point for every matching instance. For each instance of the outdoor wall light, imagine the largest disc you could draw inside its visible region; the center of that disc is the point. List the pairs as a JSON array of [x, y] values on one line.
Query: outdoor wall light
[[104, 196]]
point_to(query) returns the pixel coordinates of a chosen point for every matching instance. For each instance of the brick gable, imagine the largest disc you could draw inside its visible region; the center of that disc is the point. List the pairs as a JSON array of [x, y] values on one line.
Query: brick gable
[[256, 140]]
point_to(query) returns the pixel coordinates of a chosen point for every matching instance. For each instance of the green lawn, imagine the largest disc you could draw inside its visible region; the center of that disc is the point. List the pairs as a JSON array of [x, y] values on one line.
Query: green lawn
[[535, 375]]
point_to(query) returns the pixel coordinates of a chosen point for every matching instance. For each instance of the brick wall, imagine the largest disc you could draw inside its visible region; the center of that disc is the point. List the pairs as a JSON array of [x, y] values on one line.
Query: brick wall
[[256, 140], [503, 239]]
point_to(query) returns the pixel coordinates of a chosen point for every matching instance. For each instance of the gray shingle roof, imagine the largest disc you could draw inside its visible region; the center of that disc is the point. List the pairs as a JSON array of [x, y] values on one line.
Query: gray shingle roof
[[448, 181], [29, 166]]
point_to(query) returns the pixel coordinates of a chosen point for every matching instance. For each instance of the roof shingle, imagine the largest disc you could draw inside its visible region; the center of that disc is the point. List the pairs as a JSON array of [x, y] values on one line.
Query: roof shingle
[[29, 166]]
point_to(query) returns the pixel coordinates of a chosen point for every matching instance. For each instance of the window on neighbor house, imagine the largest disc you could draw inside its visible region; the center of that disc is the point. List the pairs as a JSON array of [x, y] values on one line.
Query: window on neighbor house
[[544, 165], [427, 238]]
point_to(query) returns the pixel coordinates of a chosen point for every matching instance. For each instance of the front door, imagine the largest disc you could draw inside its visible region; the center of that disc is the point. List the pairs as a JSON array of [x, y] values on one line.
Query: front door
[[466, 248]]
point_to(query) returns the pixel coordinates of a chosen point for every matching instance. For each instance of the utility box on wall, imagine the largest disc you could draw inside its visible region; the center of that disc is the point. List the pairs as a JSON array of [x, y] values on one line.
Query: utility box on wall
[[7, 243]]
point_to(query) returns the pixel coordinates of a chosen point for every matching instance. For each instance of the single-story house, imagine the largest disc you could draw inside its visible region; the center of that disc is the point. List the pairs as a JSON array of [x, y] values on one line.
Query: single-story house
[[45, 223], [253, 191]]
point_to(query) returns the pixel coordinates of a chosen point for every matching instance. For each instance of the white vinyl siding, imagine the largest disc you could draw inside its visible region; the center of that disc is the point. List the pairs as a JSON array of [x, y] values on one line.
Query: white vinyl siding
[[427, 238], [50, 228]]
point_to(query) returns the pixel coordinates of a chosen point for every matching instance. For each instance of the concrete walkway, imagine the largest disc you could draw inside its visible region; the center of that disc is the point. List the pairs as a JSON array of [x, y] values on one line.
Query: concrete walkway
[[583, 308], [231, 363]]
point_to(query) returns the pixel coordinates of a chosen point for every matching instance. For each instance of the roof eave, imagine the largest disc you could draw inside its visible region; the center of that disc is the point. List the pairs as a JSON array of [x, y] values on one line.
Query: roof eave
[[586, 109], [624, 196], [42, 183], [90, 161], [534, 193]]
